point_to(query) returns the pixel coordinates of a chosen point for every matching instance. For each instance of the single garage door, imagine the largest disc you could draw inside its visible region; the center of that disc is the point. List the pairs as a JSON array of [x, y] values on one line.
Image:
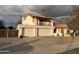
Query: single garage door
[[28, 32], [44, 32]]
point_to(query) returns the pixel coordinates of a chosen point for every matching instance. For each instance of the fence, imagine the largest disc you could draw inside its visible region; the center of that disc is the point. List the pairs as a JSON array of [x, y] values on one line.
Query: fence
[[8, 33]]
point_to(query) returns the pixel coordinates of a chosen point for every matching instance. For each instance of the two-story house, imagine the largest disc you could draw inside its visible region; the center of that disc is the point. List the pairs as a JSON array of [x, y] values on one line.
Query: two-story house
[[33, 24]]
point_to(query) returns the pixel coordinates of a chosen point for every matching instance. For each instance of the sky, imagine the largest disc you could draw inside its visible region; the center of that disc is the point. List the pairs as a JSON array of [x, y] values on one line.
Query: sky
[[10, 14]]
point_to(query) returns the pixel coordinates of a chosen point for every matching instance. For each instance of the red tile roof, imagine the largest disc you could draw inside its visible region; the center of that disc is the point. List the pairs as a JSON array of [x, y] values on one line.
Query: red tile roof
[[55, 23], [38, 15], [60, 26]]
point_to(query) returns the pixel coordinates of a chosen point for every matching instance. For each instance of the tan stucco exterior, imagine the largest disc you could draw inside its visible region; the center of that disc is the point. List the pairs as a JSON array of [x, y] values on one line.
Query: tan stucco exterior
[[30, 27]]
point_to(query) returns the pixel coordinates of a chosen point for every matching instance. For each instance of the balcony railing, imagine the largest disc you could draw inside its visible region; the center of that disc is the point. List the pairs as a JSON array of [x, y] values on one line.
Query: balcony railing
[[44, 24]]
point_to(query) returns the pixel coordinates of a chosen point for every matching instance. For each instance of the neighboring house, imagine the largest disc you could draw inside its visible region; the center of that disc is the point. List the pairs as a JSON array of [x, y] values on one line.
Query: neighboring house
[[34, 24], [60, 29]]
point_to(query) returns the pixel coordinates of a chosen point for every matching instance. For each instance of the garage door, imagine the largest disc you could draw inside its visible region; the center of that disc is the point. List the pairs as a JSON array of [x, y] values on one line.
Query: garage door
[[45, 32], [28, 32]]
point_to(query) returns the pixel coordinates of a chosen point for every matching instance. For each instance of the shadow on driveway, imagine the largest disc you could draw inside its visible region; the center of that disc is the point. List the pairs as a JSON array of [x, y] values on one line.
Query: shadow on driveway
[[25, 47]]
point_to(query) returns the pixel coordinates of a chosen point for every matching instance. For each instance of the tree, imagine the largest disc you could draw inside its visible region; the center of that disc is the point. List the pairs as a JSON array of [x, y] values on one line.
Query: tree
[[2, 24], [74, 23], [10, 27], [74, 17]]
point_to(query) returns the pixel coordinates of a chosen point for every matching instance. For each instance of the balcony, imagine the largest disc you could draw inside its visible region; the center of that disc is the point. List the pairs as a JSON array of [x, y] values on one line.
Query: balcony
[[44, 23]]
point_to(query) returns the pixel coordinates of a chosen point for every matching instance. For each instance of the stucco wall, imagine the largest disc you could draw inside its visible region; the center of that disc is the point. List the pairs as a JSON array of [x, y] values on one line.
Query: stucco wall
[[32, 32]]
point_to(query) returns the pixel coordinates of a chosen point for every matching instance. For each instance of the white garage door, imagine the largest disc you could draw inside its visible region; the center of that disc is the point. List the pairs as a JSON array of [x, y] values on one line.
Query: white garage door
[[45, 32], [28, 32]]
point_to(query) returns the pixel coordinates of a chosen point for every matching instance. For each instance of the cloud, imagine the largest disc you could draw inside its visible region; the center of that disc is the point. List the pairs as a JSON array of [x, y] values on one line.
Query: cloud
[[11, 13]]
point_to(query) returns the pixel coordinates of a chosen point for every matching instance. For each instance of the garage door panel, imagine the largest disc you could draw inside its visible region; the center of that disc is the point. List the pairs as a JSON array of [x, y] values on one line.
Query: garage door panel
[[29, 32]]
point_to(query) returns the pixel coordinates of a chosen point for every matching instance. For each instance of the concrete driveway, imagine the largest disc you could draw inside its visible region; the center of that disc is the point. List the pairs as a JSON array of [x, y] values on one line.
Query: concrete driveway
[[39, 45]]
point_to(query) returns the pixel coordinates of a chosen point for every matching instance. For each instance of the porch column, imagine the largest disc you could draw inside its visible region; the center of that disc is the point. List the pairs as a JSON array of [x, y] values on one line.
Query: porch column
[[65, 32], [57, 31], [19, 31]]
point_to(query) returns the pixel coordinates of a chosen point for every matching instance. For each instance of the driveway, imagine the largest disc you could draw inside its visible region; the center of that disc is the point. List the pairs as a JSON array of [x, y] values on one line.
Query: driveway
[[39, 45]]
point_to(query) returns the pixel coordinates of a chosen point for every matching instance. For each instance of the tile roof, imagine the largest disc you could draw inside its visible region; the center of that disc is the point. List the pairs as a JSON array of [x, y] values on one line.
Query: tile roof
[[60, 25], [38, 15]]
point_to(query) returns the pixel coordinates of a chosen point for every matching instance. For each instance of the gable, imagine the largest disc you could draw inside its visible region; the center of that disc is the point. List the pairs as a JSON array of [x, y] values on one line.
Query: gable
[[28, 20]]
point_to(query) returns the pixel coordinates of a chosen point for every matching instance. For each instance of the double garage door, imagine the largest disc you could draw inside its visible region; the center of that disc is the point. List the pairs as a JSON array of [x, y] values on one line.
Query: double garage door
[[37, 32]]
